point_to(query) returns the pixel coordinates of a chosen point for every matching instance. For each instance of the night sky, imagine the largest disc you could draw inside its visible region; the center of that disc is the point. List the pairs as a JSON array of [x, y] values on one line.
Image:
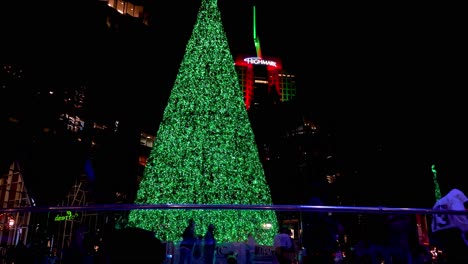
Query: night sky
[[386, 77]]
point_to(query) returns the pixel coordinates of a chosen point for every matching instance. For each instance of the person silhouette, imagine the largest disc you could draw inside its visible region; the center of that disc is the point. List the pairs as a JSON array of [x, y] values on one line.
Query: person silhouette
[[282, 245], [210, 245], [250, 251], [135, 245], [449, 230], [188, 241], [319, 235]]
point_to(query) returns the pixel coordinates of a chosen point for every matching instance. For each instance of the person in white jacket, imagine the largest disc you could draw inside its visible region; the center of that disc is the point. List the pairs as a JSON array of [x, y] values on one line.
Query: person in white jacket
[[283, 246], [449, 230]]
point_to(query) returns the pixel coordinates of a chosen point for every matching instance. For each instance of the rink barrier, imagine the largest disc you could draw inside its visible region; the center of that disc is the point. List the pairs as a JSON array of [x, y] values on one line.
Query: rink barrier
[[283, 208]]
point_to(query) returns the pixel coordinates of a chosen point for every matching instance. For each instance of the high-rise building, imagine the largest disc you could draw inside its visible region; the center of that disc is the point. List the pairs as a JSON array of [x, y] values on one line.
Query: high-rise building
[[50, 129], [14, 227], [264, 79], [136, 9]]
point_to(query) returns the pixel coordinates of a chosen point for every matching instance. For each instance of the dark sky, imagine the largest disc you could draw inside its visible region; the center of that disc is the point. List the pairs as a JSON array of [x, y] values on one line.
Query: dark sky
[[360, 56], [387, 77]]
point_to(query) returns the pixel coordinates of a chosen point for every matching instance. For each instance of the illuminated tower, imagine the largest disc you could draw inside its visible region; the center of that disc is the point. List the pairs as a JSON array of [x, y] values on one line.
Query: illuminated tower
[[205, 150], [263, 78]]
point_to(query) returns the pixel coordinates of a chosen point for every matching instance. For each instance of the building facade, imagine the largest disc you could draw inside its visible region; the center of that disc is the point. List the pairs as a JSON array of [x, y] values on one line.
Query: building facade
[[264, 78], [14, 227]]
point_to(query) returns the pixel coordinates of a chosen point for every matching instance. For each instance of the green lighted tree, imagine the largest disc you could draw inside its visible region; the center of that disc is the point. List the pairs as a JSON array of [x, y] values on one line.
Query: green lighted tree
[[205, 150], [438, 195]]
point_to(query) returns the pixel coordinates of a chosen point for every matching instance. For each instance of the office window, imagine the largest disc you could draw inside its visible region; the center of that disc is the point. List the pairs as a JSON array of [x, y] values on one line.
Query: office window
[[146, 140]]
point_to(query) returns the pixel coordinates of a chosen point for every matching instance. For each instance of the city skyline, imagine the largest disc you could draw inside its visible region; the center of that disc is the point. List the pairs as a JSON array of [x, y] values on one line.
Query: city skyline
[[384, 80]]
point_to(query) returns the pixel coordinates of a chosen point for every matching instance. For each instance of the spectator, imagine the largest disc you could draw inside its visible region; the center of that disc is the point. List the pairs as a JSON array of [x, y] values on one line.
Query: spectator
[[197, 250], [449, 230], [231, 259], [319, 236], [250, 244], [376, 239], [23, 254], [135, 245], [282, 245], [210, 245], [188, 241], [403, 238]]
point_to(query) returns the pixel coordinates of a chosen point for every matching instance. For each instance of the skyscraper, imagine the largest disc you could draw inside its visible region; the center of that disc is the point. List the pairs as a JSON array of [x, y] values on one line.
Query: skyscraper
[[263, 79]]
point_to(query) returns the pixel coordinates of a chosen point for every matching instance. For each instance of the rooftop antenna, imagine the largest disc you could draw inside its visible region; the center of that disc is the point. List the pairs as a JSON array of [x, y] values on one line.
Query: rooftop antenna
[[256, 39]]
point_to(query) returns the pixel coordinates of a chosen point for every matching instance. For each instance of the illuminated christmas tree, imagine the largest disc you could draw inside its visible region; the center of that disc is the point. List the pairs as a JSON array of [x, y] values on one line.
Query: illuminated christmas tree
[[205, 150]]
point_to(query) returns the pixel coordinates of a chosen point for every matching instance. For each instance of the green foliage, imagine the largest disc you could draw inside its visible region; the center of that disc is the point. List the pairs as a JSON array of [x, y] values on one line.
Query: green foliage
[[437, 192], [205, 150]]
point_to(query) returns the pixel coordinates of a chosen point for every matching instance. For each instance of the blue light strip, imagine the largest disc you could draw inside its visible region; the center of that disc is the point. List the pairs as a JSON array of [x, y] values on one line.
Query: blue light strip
[[287, 208]]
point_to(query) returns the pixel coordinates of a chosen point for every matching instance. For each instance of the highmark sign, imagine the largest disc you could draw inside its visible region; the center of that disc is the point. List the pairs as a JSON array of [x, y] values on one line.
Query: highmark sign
[[68, 216], [260, 61]]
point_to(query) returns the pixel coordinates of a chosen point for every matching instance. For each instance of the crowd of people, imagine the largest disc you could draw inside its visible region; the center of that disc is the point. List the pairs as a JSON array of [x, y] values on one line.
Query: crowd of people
[[389, 238], [197, 249]]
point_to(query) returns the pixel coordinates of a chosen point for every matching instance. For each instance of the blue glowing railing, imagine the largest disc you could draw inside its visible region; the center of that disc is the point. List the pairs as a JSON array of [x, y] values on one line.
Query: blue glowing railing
[[283, 208]]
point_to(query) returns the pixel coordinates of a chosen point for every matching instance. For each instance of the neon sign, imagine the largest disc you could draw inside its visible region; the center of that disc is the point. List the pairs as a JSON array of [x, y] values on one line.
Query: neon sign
[[260, 61], [68, 216]]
